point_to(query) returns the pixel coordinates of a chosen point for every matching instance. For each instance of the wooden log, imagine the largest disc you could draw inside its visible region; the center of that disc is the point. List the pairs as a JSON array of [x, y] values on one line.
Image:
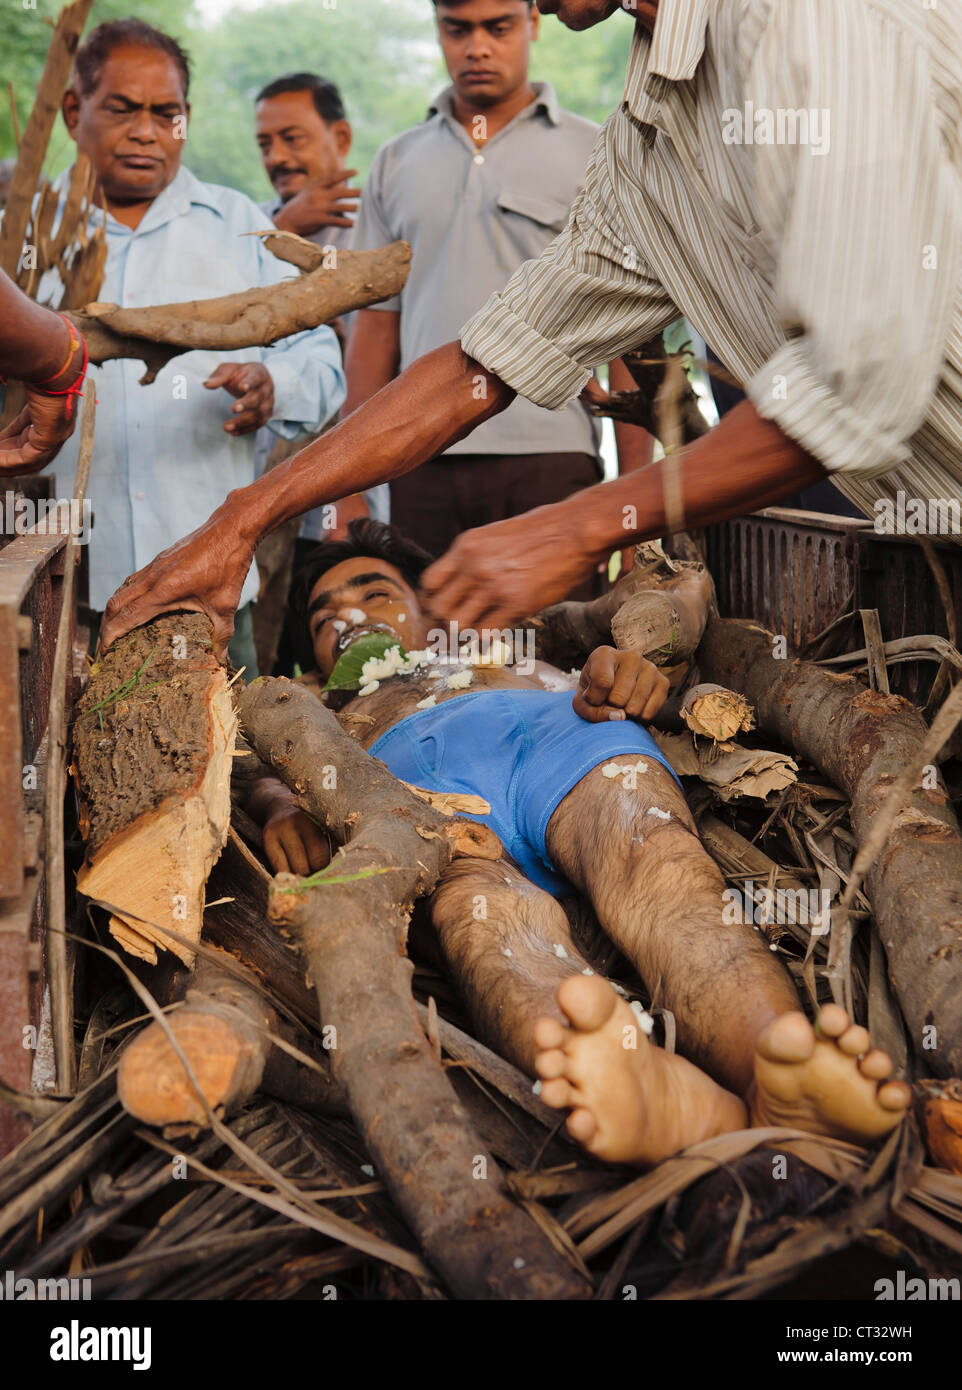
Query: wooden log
[[862, 740], [223, 1030], [711, 711], [659, 609], [352, 926], [237, 920], [942, 1122], [651, 368], [153, 739], [250, 318]]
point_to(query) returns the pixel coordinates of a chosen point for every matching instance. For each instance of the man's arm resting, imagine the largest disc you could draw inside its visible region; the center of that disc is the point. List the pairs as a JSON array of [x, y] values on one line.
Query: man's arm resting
[[501, 572], [438, 400]]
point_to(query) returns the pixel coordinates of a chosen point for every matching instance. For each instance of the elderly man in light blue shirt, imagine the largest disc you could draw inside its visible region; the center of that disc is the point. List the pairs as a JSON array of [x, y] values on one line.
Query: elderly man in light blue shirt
[[168, 453]]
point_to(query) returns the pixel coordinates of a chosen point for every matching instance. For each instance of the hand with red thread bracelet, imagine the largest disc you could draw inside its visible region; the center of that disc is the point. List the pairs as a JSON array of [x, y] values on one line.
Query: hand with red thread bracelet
[[34, 438]]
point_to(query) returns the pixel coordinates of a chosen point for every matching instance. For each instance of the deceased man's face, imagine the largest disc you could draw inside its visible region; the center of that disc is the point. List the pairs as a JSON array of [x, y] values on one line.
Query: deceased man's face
[[357, 596]]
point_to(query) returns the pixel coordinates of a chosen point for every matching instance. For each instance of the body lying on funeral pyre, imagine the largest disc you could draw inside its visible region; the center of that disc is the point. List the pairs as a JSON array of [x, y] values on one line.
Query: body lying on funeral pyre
[[449, 955]]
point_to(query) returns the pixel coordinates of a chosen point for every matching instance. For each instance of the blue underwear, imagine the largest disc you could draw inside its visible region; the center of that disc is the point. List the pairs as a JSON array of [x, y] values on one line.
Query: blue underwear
[[522, 751]]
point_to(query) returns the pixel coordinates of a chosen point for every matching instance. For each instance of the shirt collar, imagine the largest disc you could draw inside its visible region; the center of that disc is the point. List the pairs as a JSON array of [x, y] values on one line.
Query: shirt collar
[[183, 191], [545, 100], [670, 55]]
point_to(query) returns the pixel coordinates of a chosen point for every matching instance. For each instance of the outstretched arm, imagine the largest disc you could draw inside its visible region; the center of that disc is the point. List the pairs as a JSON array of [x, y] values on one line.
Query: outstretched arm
[[437, 401], [495, 574]]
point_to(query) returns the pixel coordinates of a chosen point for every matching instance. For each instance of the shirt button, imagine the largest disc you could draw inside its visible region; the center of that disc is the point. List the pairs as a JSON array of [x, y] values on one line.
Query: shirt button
[[141, 496], [479, 159]]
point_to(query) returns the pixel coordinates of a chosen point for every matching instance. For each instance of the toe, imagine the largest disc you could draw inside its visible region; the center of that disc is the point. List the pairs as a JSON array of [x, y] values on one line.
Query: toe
[[588, 1001], [557, 1093], [876, 1065], [582, 1126], [549, 1033], [894, 1095], [854, 1042], [550, 1064], [788, 1039], [832, 1021]]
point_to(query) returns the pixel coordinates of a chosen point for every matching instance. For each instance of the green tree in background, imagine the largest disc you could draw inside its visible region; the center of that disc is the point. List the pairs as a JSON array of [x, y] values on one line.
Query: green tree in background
[[23, 49], [383, 54]]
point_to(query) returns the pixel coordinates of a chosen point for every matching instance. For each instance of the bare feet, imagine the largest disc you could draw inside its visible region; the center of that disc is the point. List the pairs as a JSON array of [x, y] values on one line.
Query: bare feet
[[630, 1102], [828, 1079]]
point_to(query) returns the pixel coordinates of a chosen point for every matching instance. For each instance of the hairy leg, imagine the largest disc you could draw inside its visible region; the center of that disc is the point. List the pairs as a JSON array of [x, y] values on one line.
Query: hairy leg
[[509, 946], [658, 894], [634, 851]]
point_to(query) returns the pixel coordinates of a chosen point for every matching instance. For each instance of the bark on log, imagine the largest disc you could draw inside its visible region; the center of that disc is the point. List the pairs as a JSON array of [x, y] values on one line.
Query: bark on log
[[353, 935], [223, 1030], [237, 920], [153, 738], [861, 740], [659, 610], [650, 366], [250, 318]]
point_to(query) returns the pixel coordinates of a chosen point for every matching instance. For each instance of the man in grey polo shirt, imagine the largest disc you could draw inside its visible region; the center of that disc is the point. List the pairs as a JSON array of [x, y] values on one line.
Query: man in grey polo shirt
[[484, 183]]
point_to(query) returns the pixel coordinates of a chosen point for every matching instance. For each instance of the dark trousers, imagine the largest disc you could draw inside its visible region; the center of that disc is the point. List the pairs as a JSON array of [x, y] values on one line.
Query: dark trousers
[[454, 493]]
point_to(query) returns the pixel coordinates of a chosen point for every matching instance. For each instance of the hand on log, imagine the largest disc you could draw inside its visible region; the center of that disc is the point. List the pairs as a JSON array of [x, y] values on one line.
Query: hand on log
[[250, 318], [351, 922]]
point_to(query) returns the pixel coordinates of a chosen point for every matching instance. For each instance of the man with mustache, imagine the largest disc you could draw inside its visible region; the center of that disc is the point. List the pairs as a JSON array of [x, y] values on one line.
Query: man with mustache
[[304, 138], [174, 449]]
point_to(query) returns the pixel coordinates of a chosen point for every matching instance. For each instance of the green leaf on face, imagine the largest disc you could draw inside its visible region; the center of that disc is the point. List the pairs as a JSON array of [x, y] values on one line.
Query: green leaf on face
[[347, 672]]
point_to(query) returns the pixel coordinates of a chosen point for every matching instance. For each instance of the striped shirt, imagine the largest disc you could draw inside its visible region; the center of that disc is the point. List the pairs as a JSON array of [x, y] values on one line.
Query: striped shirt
[[786, 174]]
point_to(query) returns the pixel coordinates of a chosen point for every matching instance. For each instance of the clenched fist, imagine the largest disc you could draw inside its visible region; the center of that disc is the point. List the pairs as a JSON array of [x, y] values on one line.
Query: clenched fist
[[619, 685]]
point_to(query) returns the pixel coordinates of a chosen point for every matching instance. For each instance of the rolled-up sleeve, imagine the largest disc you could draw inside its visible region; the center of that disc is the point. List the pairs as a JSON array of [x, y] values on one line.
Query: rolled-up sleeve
[[589, 297], [865, 217]]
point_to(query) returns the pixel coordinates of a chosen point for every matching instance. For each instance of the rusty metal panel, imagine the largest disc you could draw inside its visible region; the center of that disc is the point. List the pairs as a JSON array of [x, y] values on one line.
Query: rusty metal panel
[[29, 582]]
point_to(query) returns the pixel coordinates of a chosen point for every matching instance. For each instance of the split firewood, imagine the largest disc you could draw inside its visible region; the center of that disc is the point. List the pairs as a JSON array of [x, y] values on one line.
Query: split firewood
[[861, 740], [224, 1029], [153, 738], [351, 921], [251, 318], [731, 771], [659, 608]]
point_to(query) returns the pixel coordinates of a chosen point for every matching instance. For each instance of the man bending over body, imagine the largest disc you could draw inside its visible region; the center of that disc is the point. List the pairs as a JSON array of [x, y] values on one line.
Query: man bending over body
[[750, 1057]]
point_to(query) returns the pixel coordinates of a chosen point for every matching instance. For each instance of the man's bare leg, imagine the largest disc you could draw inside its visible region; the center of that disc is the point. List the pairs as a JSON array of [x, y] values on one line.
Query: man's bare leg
[[658, 895], [509, 945]]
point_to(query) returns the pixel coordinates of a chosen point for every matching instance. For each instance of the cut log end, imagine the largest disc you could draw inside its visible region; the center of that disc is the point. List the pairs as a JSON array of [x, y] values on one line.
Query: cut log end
[[153, 1085], [711, 711], [153, 744]]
